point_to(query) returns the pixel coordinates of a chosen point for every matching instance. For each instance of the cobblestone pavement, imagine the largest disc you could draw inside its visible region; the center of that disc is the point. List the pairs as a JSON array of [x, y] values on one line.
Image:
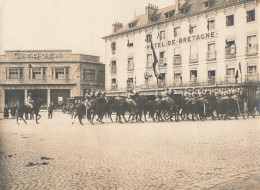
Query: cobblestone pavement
[[187, 155]]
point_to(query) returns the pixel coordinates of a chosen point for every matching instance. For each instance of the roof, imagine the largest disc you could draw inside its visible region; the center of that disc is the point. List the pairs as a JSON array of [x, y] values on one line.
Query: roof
[[193, 6]]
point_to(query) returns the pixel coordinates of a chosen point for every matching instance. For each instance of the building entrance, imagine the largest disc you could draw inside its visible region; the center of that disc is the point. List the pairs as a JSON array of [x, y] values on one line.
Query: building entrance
[[14, 97], [59, 96], [39, 95]]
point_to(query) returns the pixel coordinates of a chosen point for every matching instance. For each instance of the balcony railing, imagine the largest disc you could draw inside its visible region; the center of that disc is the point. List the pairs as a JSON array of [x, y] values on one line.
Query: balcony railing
[[149, 64], [113, 87], [130, 85], [177, 60], [161, 84], [230, 79], [130, 68], [211, 80], [252, 77], [113, 69], [211, 55], [162, 62], [194, 81], [194, 58], [252, 50], [230, 53]]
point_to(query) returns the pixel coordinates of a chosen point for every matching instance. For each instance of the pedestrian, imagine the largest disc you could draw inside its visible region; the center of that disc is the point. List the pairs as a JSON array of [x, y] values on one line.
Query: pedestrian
[[13, 110], [6, 112], [50, 110]]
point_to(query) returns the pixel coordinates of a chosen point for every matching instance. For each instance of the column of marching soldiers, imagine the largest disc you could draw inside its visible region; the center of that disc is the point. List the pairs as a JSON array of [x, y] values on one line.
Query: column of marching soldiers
[[219, 103]]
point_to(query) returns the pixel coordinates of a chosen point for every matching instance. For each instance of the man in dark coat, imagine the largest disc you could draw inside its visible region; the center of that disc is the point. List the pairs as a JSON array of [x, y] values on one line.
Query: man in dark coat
[[50, 110]]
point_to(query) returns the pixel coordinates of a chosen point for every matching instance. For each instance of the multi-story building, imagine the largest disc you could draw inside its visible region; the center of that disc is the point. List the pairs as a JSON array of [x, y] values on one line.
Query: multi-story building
[[203, 43], [52, 76]]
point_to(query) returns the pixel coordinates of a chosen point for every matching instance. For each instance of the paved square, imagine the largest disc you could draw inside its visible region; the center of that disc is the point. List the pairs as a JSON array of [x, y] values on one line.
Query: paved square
[[187, 155]]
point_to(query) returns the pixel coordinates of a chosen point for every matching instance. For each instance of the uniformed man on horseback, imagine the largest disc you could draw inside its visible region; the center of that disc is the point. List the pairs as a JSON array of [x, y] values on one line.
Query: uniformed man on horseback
[[129, 99], [158, 95], [30, 101]]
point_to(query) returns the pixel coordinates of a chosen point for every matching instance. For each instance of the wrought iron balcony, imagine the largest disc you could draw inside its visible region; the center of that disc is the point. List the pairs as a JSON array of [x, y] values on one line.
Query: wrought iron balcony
[[113, 69], [177, 60], [162, 62], [194, 58], [211, 80], [253, 50], [230, 52], [252, 77], [230, 79], [211, 55]]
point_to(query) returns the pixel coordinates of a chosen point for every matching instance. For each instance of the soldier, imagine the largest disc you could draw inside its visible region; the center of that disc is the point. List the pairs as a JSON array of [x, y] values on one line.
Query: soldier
[[158, 95], [129, 99], [99, 94], [30, 101], [93, 95], [87, 95]]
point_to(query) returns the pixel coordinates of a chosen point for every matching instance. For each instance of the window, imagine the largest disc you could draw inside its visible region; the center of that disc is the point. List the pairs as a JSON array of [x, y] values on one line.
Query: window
[[193, 74], [251, 41], [162, 53], [192, 29], [133, 24], [37, 73], [211, 54], [230, 47], [230, 20], [14, 73], [113, 47], [130, 43], [230, 71], [211, 73], [162, 35], [113, 63], [177, 51], [149, 60], [177, 77], [169, 14], [130, 65], [89, 74], [176, 31], [251, 69], [60, 73], [148, 38], [130, 81], [211, 24], [250, 16], [113, 81]]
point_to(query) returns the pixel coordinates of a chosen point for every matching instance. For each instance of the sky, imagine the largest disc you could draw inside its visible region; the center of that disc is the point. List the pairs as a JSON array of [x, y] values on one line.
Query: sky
[[76, 25]]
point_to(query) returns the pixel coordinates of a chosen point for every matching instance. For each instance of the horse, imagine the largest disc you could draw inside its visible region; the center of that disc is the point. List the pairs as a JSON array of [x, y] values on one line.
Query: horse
[[26, 109], [79, 110]]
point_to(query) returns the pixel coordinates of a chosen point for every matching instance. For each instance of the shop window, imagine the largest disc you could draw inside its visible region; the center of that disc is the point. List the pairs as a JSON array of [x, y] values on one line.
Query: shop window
[[250, 16], [230, 20], [14, 73], [89, 74]]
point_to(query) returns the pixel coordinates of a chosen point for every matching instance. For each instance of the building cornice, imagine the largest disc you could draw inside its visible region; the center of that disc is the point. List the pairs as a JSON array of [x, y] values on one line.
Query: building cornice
[[181, 17]]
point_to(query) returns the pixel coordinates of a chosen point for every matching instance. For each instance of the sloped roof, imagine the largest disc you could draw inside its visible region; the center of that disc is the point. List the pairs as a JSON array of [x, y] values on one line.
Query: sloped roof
[[194, 7]]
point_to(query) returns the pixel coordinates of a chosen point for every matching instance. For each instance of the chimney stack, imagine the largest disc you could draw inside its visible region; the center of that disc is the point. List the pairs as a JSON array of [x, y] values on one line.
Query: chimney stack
[[177, 7], [150, 10], [116, 26]]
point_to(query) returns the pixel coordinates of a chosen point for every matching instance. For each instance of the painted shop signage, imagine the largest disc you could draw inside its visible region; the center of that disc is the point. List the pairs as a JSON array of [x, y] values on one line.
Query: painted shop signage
[[183, 40], [21, 55]]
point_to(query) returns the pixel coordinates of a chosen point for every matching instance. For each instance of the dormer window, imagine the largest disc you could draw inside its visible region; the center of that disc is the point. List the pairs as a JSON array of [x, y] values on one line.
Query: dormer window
[[185, 9], [169, 14], [155, 17], [208, 3], [132, 24]]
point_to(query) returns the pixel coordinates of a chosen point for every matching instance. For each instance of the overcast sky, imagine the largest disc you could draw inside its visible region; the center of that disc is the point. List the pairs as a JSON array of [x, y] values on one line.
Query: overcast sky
[[65, 24]]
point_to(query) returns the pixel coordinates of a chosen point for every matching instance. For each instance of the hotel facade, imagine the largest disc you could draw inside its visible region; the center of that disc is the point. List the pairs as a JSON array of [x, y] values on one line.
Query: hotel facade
[[198, 43], [51, 76]]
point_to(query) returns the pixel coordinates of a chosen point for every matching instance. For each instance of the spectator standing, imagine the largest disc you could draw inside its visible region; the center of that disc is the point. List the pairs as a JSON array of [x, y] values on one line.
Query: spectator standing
[[6, 112]]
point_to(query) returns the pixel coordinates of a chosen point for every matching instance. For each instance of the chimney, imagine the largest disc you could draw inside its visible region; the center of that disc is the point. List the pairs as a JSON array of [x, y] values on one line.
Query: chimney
[[177, 7], [150, 10], [116, 26]]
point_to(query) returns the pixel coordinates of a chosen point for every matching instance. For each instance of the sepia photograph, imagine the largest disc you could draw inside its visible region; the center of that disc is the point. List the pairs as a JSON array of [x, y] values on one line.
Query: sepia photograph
[[129, 94]]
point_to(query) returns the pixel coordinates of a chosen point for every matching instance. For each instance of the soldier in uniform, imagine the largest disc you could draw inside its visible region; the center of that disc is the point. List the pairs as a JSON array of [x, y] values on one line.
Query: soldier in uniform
[[87, 95], [158, 95], [30, 101], [129, 95], [93, 95]]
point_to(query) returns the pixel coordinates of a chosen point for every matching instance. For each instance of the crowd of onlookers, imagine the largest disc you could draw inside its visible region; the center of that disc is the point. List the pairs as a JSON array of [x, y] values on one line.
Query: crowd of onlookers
[[10, 111]]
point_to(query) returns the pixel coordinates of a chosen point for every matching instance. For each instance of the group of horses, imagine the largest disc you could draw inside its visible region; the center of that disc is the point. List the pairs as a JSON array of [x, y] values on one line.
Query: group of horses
[[173, 107], [164, 109]]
